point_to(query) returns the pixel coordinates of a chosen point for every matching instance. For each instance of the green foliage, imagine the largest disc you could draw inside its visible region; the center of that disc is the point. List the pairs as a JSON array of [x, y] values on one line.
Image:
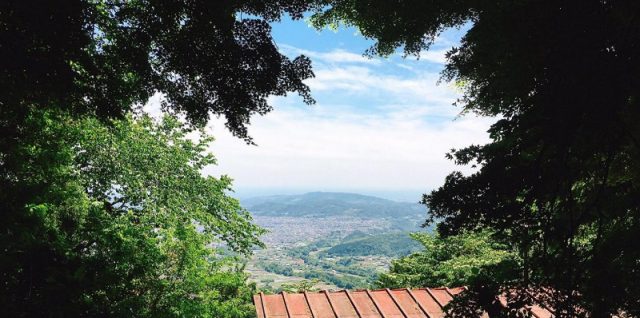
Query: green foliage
[[301, 286], [319, 270], [345, 270], [103, 57], [389, 244], [412, 24], [560, 178], [120, 224], [277, 268], [449, 261], [322, 272], [342, 281], [112, 218], [155, 171]]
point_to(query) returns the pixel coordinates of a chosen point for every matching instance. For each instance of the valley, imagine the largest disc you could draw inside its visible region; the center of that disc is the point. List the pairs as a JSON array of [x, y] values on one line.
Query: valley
[[334, 240]]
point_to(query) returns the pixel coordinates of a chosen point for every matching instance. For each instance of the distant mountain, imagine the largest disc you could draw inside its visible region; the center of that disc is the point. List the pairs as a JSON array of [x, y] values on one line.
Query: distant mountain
[[326, 204]]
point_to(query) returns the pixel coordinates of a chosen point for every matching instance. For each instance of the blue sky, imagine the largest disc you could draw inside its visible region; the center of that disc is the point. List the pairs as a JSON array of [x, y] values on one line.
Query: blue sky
[[380, 126]]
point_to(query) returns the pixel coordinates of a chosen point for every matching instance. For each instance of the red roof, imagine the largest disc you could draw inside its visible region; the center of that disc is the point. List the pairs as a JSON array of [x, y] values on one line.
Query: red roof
[[383, 303]]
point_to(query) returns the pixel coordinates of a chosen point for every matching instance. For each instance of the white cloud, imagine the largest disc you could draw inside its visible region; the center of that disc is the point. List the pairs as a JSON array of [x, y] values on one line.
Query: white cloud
[[298, 149], [389, 131], [334, 56], [376, 126], [416, 93], [434, 56]]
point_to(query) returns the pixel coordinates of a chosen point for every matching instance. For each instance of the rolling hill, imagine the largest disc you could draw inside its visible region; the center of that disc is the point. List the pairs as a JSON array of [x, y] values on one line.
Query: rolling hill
[[343, 239], [387, 244], [328, 204]]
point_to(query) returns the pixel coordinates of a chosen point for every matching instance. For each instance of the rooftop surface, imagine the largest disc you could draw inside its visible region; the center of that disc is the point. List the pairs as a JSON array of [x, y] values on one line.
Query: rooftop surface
[[382, 303]]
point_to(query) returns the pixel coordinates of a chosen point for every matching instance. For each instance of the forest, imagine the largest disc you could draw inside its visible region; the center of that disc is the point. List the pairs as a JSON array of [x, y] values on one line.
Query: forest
[[106, 211]]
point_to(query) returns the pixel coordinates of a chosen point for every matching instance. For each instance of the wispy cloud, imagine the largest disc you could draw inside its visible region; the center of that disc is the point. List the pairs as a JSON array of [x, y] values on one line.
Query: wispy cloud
[[434, 56], [297, 148], [335, 56], [377, 125], [388, 88]]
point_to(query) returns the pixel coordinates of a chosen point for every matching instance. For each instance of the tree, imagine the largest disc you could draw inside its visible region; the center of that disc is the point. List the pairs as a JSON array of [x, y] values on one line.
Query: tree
[[103, 57], [475, 260], [560, 179], [125, 225], [301, 286], [451, 261], [99, 215]]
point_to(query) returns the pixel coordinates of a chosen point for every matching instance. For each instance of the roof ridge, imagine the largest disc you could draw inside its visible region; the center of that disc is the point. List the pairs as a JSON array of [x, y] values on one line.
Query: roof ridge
[[393, 297]]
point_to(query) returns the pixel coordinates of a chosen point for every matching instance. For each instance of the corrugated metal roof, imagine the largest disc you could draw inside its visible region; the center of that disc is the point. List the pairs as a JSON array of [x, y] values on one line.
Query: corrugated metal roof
[[382, 303]]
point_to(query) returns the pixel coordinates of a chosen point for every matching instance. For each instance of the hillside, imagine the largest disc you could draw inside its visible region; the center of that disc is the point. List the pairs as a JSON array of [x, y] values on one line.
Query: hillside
[[328, 204], [342, 239], [388, 244]]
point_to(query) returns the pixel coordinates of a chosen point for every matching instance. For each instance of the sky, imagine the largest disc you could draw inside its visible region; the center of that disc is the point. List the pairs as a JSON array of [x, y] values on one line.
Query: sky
[[381, 126]]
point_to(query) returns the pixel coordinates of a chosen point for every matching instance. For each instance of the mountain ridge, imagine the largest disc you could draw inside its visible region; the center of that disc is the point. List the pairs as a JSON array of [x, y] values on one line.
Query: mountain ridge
[[326, 204]]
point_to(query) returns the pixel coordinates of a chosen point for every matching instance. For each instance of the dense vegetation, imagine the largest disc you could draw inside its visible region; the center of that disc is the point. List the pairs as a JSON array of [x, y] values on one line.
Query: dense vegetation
[[461, 260], [277, 268], [103, 57], [342, 271], [354, 261], [107, 214], [323, 271], [389, 244], [124, 225], [560, 180]]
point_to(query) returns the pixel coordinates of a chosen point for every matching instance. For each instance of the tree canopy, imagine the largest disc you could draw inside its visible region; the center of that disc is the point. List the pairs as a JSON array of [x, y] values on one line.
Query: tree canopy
[[560, 179], [125, 225], [475, 260], [453, 261], [103, 57], [105, 214], [102, 216]]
